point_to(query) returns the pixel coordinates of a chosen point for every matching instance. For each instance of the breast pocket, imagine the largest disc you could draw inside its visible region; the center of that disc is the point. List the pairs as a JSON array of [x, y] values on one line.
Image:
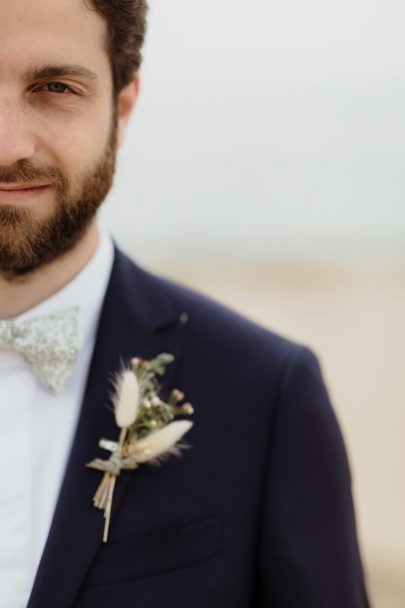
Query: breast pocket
[[122, 561]]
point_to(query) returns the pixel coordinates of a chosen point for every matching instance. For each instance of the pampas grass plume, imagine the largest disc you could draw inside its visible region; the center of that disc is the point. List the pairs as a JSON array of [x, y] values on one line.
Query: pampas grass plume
[[126, 402], [161, 442]]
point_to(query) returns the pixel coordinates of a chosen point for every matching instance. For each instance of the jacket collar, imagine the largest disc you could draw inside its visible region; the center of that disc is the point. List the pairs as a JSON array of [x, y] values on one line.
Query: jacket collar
[[133, 322]]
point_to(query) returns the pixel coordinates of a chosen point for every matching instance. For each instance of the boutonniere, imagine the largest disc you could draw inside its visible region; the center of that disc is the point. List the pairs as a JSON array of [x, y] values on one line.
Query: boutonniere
[[149, 431]]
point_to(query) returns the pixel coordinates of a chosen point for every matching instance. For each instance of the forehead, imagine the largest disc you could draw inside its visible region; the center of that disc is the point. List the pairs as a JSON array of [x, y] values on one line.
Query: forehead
[[50, 31]]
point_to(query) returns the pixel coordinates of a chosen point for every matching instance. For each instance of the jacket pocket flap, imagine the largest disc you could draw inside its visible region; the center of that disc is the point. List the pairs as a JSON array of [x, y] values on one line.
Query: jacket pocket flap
[[120, 561]]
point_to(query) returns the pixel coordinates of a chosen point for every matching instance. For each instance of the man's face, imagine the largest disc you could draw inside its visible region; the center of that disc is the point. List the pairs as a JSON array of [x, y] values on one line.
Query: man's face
[[57, 131]]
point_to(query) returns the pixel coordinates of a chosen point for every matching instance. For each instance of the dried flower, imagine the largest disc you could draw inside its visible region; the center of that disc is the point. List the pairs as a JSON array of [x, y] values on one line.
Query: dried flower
[[187, 408], [126, 402], [158, 443], [147, 431]]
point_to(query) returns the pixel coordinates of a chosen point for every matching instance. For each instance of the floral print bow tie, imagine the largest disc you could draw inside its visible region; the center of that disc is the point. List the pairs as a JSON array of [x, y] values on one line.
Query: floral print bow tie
[[49, 344]]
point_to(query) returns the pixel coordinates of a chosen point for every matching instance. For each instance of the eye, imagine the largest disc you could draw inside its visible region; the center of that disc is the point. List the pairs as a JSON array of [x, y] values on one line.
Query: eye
[[57, 87]]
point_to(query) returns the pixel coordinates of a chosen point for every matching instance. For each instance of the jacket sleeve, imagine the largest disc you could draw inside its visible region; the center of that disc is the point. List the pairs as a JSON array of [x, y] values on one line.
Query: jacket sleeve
[[308, 549]]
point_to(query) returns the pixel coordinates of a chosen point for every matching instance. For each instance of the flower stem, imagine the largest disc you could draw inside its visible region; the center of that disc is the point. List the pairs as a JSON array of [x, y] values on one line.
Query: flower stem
[[107, 512], [111, 486], [122, 438]]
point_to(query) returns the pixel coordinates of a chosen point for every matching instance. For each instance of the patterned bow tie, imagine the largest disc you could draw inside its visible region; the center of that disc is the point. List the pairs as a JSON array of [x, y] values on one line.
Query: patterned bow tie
[[49, 344]]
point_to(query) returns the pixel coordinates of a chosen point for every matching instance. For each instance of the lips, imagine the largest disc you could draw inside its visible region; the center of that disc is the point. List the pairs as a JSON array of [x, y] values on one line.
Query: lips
[[11, 187], [15, 194]]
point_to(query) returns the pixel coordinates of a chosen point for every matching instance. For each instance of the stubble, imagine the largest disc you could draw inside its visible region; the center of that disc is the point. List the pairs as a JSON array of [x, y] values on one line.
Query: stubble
[[28, 242]]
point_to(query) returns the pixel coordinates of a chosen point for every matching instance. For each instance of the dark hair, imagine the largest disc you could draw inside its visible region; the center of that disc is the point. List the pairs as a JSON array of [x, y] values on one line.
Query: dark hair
[[126, 20]]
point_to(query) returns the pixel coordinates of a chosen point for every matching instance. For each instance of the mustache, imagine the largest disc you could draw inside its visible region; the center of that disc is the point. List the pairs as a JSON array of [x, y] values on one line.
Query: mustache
[[24, 172]]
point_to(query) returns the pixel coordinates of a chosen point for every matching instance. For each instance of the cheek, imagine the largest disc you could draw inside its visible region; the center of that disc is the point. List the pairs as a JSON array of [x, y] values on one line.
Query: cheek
[[73, 130], [76, 140]]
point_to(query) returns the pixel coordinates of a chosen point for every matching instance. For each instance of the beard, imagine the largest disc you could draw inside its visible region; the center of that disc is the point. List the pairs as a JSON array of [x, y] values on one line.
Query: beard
[[28, 242]]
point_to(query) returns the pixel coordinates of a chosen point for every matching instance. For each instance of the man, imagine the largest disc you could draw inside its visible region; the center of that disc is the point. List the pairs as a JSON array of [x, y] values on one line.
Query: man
[[259, 511]]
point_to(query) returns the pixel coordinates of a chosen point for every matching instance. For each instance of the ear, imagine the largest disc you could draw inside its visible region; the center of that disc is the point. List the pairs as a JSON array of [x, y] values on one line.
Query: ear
[[125, 104]]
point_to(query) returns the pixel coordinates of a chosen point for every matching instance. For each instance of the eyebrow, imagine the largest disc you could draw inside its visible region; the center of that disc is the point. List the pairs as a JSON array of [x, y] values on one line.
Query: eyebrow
[[58, 71]]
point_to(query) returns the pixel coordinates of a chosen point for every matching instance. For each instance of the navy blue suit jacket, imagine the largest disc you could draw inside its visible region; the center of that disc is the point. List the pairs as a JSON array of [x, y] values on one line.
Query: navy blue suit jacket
[[258, 513]]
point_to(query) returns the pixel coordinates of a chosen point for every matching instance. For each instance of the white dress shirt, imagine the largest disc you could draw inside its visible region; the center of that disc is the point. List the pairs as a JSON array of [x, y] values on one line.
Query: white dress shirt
[[36, 431]]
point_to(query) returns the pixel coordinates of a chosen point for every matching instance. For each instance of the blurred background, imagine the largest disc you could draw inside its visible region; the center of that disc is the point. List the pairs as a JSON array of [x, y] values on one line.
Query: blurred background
[[264, 167]]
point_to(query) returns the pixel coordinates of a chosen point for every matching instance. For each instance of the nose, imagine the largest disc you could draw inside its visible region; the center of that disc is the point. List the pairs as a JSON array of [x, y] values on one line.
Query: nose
[[16, 139]]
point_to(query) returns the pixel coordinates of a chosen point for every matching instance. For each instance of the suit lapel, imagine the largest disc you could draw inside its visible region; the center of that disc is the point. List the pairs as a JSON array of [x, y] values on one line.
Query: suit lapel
[[131, 317]]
